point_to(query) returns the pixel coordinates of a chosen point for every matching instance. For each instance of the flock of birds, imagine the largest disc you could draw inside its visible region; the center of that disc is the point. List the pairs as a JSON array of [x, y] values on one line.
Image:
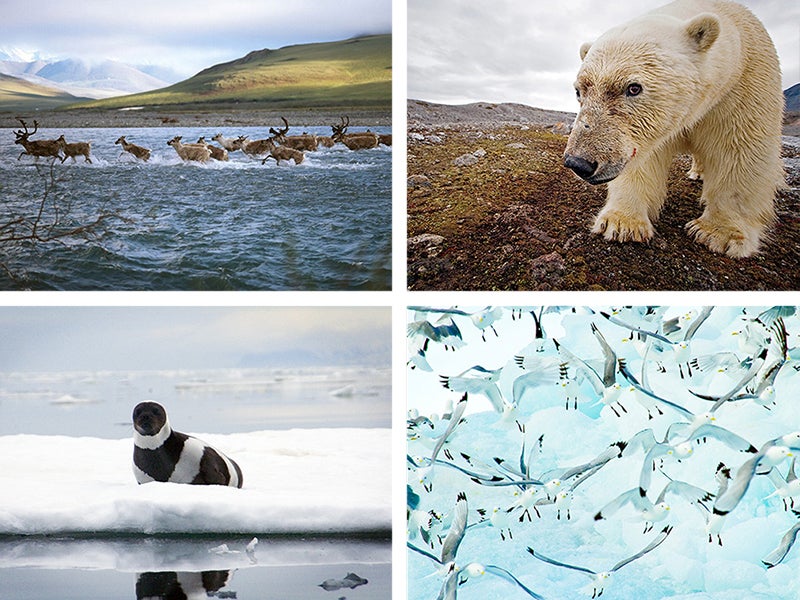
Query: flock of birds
[[705, 393]]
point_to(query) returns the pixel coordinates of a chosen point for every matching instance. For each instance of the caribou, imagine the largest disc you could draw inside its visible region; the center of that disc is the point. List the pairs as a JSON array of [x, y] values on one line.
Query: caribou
[[36, 148], [217, 153], [195, 152], [354, 141], [71, 150], [138, 151], [306, 142]]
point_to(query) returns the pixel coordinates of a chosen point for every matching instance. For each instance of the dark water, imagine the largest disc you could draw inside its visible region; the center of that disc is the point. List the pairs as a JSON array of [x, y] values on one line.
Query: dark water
[[321, 225], [63, 569]]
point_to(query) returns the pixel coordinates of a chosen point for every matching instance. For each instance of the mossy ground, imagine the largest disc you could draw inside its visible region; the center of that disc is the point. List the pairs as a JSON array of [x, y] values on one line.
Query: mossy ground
[[518, 220]]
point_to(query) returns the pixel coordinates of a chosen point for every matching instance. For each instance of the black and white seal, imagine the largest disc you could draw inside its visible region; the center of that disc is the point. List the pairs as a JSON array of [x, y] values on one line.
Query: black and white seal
[[161, 454]]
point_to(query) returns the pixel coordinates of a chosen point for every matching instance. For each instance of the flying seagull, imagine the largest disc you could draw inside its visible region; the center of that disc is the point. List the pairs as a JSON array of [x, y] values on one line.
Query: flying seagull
[[601, 578]]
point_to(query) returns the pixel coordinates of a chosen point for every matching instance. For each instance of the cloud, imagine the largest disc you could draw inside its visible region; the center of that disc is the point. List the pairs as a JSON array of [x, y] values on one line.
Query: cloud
[[145, 338], [508, 51], [183, 34]]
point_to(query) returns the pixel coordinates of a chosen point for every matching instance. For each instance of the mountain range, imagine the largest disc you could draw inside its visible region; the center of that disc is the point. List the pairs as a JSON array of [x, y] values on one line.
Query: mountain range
[[82, 78]]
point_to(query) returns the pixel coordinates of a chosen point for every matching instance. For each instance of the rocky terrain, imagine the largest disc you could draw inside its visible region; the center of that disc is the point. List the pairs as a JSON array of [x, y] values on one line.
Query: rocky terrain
[[490, 207]]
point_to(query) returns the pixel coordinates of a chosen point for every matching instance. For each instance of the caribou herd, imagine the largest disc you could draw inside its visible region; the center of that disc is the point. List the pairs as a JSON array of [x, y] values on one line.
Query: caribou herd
[[278, 146]]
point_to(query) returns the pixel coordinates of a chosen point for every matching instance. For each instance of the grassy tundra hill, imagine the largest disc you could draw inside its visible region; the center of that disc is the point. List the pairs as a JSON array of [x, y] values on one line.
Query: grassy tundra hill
[[18, 95], [349, 73]]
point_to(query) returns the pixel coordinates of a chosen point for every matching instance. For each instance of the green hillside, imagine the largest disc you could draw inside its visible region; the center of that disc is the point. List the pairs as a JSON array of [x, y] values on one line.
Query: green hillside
[[18, 95], [349, 73]]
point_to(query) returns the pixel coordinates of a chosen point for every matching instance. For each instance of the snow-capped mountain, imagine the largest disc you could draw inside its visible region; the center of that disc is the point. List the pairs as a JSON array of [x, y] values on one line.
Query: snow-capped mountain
[[102, 79]]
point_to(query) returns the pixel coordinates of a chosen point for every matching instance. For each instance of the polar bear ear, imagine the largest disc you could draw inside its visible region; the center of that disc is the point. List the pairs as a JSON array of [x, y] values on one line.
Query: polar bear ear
[[584, 49], [703, 31]]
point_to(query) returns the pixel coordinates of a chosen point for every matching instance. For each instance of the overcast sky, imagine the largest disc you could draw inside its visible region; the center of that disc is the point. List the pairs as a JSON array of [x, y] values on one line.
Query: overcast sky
[[186, 35], [527, 52], [152, 338]]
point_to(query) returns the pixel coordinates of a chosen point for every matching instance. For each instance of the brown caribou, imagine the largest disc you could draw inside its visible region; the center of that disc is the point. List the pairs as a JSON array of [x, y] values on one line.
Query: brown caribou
[[36, 148], [138, 151], [306, 142], [71, 150], [354, 141]]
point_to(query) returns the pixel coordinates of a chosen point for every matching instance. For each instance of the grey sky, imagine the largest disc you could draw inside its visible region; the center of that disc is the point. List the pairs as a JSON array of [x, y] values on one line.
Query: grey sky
[[153, 338], [186, 35], [527, 52]]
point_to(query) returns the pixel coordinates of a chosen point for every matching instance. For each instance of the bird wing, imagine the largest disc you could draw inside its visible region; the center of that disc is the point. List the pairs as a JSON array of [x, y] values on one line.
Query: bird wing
[[610, 364], [423, 552], [692, 329], [658, 540], [777, 555], [632, 495], [508, 576], [557, 563], [457, 528], [449, 589], [725, 436], [455, 419], [693, 494], [752, 371], [727, 501], [582, 368]]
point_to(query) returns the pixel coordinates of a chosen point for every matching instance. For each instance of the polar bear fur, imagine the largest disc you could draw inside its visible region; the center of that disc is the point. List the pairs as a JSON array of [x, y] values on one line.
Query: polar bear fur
[[694, 76]]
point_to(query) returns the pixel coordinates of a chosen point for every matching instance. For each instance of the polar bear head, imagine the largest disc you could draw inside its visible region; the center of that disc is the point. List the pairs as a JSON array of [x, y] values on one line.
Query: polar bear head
[[639, 84]]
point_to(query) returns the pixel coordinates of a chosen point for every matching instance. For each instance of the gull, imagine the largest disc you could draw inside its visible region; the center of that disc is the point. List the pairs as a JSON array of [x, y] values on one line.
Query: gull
[[606, 387], [653, 512], [787, 488], [770, 455], [764, 391], [456, 575], [714, 522], [681, 349], [445, 332], [601, 579], [787, 541], [478, 380], [455, 420]]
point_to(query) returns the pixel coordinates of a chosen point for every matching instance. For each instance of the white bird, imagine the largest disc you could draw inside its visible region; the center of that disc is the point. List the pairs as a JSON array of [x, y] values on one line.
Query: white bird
[[478, 380], [605, 387], [653, 512], [601, 578], [770, 455], [789, 488]]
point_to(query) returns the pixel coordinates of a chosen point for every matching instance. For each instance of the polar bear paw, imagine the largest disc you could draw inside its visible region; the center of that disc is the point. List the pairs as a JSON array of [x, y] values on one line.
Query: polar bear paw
[[623, 227], [724, 238]]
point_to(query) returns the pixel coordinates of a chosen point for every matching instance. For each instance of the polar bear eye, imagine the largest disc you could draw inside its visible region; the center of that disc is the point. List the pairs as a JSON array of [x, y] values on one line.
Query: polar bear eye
[[633, 89]]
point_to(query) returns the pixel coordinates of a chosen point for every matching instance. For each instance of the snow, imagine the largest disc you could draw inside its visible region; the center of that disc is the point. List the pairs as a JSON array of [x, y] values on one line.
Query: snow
[[295, 481], [685, 565]]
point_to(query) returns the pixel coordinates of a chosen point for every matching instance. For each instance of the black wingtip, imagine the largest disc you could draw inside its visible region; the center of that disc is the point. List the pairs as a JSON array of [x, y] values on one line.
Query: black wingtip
[[599, 516], [530, 551], [752, 449], [642, 492]]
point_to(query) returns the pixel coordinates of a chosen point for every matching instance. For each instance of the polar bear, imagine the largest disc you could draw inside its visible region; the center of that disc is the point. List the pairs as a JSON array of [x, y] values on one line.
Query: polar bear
[[694, 76]]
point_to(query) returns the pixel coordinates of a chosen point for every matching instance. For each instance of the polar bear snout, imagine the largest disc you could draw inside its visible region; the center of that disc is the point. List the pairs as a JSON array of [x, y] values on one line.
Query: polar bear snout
[[582, 167], [592, 171]]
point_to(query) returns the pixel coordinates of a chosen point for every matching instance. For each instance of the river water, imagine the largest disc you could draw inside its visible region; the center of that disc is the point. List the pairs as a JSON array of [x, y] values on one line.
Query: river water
[[238, 225]]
